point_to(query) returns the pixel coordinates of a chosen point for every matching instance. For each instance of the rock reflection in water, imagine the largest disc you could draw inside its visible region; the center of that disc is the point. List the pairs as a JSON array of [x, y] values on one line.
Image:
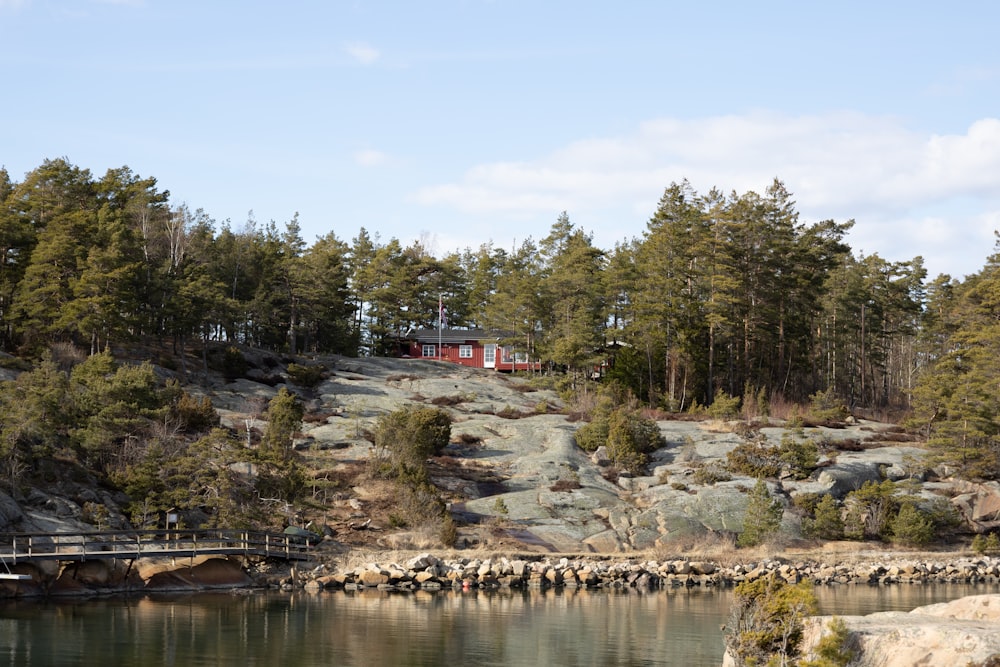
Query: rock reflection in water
[[568, 627]]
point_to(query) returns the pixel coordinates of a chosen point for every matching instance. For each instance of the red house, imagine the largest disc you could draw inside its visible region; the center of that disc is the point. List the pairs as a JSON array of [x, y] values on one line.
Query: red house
[[475, 348]]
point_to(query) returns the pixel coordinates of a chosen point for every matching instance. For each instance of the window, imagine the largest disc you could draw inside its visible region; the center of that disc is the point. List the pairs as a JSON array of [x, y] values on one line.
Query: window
[[428, 351], [464, 351], [508, 355]]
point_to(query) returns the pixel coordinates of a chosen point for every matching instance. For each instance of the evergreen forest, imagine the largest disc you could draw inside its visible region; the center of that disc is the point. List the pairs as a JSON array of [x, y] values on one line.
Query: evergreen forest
[[723, 295]]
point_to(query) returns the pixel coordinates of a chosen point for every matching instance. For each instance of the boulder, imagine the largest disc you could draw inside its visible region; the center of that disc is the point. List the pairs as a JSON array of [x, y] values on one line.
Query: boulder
[[842, 478], [979, 504], [10, 512], [962, 632]]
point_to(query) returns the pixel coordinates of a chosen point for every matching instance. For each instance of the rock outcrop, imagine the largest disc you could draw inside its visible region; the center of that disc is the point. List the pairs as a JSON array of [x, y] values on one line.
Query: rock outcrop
[[524, 476], [960, 633]]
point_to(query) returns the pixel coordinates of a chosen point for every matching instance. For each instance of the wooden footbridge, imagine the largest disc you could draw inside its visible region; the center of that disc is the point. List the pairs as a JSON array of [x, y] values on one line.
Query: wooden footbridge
[[134, 544]]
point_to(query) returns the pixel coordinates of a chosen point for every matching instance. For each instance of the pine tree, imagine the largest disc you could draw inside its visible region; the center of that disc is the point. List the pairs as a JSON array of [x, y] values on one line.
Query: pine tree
[[284, 419], [762, 518], [573, 304], [826, 523]]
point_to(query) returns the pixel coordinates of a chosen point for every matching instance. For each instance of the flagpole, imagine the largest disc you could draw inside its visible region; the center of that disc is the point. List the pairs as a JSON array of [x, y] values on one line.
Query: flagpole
[[440, 322]]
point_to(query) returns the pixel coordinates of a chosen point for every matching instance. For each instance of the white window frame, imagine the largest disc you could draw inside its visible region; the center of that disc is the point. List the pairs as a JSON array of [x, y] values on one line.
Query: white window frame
[[428, 350], [464, 351], [509, 356]]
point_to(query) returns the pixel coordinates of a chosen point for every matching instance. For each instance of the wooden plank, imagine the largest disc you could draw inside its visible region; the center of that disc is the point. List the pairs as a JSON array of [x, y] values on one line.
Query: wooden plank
[[15, 577]]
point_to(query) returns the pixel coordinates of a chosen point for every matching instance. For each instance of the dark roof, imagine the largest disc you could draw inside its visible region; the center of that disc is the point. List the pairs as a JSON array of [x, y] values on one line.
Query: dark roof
[[453, 335]]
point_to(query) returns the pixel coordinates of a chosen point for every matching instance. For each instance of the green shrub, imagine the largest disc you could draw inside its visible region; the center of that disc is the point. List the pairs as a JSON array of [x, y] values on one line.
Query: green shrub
[[824, 406], [766, 620], [833, 649], [14, 363], [724, 406], [754, 459], [196, 415], [762, 518], [592, 435], [406, 438], [628, 435], [989, 544], [826, 523], [800, 457], [305, 376], [870, 510], [234, 364], [911, 527], [630, 438], [707, 475], [448, 532]]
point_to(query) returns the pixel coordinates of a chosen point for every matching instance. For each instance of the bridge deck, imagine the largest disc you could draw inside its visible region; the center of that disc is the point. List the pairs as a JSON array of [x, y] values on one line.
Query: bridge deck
[[131, 545]]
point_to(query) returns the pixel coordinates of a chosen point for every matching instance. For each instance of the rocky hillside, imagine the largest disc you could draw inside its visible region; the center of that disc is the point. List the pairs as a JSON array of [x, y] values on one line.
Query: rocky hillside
[[513, 475]]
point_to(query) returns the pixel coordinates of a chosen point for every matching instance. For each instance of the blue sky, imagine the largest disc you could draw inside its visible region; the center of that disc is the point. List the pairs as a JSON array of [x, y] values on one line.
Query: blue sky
[[466, 121]]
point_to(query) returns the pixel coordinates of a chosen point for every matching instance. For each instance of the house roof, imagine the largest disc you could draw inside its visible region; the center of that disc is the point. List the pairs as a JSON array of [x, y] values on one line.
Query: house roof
[[453, 335]]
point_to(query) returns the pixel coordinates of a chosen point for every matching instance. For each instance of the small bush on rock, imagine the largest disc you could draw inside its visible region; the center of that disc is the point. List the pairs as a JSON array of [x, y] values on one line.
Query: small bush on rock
[[834, 649], [824, 406], [724, 406], [754, 459], [870, 510], [826, 522], [766, 621], [986, 545], [800, 457], [305, 376], [707, 475], [406, 438], [911, 527], [762, 518]]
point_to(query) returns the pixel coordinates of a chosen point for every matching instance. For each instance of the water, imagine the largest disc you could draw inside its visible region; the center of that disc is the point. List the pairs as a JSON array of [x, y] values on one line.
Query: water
[[565, 628]]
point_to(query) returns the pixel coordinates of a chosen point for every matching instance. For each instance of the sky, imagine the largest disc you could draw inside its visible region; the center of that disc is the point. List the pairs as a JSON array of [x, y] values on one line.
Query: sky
[[464, 122]]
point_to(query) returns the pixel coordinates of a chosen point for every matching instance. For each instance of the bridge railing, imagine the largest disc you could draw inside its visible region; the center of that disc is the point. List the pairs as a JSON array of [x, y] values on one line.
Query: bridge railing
[[150, 543]]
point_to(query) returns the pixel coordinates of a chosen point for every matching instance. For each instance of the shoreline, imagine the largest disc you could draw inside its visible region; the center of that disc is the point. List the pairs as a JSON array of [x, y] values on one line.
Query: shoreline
[[405, 572]]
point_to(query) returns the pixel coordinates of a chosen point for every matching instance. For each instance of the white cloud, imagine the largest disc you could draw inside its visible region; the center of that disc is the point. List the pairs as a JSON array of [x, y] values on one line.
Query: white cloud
[[362, 53], [909, 192]]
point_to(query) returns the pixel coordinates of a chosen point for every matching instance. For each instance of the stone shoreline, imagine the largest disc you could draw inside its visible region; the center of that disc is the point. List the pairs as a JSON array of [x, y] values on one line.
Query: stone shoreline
[[427, 572]]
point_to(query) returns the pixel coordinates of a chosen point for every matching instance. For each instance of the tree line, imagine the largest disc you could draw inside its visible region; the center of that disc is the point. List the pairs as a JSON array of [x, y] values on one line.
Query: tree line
[[721, 294]]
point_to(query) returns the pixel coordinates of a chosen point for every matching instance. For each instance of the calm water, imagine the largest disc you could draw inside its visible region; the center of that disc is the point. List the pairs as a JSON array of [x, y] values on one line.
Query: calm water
[[371, 628]]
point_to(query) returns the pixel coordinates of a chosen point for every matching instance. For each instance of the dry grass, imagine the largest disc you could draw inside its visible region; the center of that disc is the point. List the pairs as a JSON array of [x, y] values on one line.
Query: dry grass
[[318, 417], [425, 537], [467, 439], [717, 547], [447, 400], [778, 407], [508, 412], [720, 425], [890, 436], [565, 485]]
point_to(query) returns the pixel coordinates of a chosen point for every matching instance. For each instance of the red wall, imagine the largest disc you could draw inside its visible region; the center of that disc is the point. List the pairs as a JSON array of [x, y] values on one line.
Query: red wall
[[449, 352]]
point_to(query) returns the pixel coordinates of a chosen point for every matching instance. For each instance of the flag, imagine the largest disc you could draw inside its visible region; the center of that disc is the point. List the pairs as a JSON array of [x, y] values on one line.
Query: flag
[[442, 315]]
